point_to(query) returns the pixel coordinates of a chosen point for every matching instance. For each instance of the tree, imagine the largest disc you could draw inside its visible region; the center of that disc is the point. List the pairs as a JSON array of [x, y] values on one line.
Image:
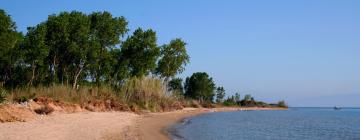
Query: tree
[[220, 94], [36, 51], [9, 41], [237, 97], [176, 85], [200, 86], [141, 52], [79, 49], [247, 97], [282, 104], [173, 59], [106, 31], [68, 38]]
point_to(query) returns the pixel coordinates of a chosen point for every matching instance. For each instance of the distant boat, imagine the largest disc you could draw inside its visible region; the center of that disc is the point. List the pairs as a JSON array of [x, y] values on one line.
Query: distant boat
[[337, 108]]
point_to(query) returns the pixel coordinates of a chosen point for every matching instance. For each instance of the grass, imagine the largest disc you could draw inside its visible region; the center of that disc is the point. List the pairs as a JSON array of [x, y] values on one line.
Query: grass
[[137, 93], [148, 93], [63, 93]]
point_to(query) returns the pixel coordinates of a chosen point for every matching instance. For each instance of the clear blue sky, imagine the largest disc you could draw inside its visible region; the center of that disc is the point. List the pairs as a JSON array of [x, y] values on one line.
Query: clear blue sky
[[306, 52]]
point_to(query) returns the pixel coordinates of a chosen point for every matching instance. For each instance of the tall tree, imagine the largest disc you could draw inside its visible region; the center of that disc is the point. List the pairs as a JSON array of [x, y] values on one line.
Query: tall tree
[[200, 86], [36, 51], [106, 32], [220, 94], [57, 39], [173, 59], [141, 52], [9, 40], [79, 49]]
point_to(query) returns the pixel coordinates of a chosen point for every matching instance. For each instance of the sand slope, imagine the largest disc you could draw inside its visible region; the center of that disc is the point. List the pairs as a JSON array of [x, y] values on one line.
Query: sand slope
[[76, 126]]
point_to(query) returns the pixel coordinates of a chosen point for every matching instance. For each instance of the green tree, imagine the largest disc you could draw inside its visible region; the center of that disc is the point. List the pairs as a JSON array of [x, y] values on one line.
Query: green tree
[[237, 97], [282, 104], [36, 51], [200, 86], [220, 94], [79, 49], [106, 32], [176, 85], [173, 59], [10, 40], [141, 52], [247, 97]]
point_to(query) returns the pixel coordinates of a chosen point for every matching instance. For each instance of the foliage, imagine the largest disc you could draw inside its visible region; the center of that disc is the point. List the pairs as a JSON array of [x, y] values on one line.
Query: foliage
[[282, 104], [176, 85], [173, 59], [233, 100], [220, 94], [247, 97], [200, 87], [2, 95], [10, 40], [141, 52]]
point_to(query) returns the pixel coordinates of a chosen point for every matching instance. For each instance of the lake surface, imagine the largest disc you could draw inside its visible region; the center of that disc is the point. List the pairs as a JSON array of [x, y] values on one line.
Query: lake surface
[[292, 124]]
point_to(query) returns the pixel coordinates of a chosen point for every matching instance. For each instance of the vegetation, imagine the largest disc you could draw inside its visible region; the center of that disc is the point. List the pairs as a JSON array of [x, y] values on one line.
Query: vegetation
[[200, 86], [220, 94], [79, 58], [2, 95]]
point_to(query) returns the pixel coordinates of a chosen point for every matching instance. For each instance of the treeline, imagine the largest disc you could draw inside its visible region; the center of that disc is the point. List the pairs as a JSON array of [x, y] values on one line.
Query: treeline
[[85, 51], [73, 48]]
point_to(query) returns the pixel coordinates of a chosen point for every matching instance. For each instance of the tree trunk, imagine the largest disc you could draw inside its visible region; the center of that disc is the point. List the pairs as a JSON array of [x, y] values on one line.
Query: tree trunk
[[54, 69], [76, 76], [33, 74]]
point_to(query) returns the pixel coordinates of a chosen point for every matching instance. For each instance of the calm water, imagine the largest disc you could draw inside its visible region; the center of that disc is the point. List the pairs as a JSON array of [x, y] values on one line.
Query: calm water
[[292, 124]]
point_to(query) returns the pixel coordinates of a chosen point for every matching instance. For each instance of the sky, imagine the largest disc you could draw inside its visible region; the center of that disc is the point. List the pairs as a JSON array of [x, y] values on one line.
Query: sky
[[306, 52]]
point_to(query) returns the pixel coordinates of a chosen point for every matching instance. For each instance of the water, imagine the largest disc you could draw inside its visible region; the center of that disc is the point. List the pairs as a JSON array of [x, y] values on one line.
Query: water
[[292, 124]]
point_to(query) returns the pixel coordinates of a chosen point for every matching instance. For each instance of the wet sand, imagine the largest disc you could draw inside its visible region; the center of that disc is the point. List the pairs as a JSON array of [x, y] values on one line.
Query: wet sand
[[154, 126]]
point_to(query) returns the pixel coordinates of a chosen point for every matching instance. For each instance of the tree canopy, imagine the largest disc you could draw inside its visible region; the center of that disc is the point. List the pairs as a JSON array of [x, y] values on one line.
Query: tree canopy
[[73, 47], [173, 59], [220, 94], [141, 52], [200, 86]]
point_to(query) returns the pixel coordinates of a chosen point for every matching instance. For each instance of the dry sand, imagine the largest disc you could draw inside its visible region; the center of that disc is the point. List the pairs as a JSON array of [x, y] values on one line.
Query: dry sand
[[76, 126]]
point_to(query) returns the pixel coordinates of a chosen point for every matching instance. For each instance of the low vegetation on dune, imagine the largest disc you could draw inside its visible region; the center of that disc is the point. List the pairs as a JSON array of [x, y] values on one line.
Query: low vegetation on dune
[[75, 61]]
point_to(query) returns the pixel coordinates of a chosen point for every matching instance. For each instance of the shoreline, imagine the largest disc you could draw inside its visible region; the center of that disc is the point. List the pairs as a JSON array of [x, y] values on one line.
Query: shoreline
[[109, 125], [155, 126]]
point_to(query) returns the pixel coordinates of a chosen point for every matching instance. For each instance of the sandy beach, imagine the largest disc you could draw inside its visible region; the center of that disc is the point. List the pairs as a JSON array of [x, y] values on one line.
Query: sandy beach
[[154, 126], [102, 125], [75, 126]]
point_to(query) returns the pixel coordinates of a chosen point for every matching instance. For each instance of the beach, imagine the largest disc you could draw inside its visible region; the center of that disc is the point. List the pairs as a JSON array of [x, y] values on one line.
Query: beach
[[102, 125], [153, 126]]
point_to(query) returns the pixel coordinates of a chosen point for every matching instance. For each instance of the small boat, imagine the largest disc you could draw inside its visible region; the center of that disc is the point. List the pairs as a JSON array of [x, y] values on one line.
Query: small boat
[[337, 108]]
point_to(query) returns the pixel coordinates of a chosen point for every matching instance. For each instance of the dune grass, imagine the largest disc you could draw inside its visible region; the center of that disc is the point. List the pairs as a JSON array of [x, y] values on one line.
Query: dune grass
[[143, 93]]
